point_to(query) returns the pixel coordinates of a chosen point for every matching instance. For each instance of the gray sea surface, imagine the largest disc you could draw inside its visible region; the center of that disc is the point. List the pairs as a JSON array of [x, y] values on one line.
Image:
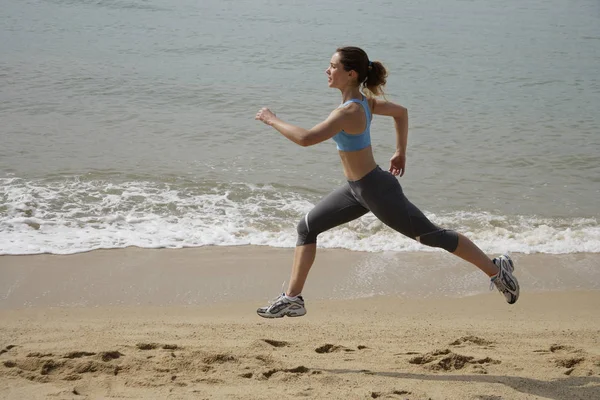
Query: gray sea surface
[[130, 122]]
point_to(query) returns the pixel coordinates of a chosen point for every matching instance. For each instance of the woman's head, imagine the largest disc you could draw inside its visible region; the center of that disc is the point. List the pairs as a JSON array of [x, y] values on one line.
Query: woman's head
[[351, 65]]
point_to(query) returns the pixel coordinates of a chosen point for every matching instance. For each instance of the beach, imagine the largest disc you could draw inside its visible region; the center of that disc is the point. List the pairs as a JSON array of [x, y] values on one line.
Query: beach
[[145, 214], [135, 328]]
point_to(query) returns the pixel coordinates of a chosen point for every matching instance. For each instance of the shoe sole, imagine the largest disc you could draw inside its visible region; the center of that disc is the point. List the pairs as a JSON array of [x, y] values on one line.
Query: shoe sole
[[511, 268], [270, 316]]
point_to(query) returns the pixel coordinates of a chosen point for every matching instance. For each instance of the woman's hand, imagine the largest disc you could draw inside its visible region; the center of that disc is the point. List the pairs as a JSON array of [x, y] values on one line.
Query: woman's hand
[[265, 115], [397, 164]]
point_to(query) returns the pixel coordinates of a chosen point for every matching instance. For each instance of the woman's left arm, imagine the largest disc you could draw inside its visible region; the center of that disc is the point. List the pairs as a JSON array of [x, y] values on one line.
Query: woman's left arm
[[304, 137]]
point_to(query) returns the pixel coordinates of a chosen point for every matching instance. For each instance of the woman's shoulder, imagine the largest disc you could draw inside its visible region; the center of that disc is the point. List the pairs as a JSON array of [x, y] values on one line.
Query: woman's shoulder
[[351, 111], [350, 106], [386, 107]]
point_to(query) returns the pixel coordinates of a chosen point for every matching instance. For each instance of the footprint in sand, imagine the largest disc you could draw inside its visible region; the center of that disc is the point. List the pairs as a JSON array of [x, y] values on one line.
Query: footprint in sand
[[37, 354], [331, 348], [470, 339], [569, 357], [429, 357], [267, 359], [556, 348], [153, 346], [570, 363], [298, 370], [218, 359], [79, 354], [44, 367], [212, 381], [147, 346], [276, 343], [446, 360], [392, 394], [408, 353], [7, 348], [109, 355]]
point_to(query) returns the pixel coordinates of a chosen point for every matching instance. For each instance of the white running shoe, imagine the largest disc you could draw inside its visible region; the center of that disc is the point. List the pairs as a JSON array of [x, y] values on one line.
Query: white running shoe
[[505, 281], [281, 306]]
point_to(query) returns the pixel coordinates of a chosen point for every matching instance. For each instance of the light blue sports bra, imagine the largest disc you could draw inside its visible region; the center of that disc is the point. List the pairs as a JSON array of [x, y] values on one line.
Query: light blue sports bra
[[349, 142]]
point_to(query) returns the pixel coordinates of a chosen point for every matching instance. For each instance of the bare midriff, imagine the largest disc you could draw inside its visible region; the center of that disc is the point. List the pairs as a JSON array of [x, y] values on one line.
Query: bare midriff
[[357, 163]]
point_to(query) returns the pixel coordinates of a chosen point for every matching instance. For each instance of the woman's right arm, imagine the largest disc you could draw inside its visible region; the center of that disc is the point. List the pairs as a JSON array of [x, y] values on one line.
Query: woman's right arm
[[306, 137], [400, 115]]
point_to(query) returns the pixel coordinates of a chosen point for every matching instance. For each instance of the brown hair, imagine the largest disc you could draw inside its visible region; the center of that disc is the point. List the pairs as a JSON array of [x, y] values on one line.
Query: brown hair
[[371, 74]]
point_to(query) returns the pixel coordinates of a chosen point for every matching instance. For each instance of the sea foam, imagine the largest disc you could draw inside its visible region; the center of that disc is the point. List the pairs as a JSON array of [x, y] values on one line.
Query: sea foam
[[74, 215]]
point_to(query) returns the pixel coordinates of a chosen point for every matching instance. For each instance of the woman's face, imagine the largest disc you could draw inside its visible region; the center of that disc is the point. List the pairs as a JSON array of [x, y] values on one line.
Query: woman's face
[[337, 76]]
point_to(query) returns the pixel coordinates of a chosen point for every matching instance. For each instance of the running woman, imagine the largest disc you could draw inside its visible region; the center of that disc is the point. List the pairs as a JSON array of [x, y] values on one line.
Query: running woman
[[368, 187]]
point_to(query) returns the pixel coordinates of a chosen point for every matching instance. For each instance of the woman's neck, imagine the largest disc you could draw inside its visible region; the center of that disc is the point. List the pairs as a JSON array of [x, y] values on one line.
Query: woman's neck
[[350, 93]]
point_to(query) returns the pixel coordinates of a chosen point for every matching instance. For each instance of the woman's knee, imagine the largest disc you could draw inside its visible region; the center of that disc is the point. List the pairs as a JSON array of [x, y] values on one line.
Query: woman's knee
[[445, 239], [305, 235]]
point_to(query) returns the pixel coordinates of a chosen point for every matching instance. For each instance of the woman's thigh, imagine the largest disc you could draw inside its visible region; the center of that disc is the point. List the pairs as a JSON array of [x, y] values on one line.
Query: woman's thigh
[[337, 208], [393, 209]]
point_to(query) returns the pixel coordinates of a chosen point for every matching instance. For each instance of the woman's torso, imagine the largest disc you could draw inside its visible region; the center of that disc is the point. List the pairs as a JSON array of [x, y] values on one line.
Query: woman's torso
[[354, 143]]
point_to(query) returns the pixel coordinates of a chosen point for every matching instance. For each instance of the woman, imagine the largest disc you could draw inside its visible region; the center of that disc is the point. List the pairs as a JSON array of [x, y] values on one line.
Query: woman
[[369, 188]]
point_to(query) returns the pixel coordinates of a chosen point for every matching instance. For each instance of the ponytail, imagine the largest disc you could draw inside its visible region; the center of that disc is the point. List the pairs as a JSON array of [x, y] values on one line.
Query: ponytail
[[376, 78]]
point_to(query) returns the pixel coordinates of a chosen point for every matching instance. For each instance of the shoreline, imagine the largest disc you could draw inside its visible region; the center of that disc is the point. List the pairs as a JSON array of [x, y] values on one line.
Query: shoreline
[[212, 275]]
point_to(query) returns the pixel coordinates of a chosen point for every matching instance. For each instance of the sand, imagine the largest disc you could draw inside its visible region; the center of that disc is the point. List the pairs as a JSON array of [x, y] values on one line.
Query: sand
[[180, 324]]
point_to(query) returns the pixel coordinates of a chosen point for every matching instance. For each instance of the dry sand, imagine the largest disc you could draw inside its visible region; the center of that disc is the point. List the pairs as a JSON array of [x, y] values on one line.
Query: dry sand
[[180, 324]]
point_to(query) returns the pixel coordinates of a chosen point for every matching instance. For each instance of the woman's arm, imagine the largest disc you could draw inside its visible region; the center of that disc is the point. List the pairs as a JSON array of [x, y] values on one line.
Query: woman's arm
[[400, 115], [301, 136]]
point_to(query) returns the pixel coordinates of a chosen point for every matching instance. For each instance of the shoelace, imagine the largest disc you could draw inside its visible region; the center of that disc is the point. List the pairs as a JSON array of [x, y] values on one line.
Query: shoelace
[[273, 301], [501, 288]]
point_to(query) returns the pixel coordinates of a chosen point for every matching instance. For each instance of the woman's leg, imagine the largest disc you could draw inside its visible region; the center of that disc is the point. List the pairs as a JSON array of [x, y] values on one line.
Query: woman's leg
[[304, 257], [385, 198], [335, 209], [468, 251], [389, 204], [410, 221]]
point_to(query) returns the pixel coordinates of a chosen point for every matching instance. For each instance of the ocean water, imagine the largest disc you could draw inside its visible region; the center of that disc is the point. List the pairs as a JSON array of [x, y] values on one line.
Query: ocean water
[[131, 123]]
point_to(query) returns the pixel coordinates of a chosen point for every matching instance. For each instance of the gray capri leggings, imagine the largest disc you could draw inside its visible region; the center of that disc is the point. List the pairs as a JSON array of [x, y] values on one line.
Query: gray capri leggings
[[381, 193]]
